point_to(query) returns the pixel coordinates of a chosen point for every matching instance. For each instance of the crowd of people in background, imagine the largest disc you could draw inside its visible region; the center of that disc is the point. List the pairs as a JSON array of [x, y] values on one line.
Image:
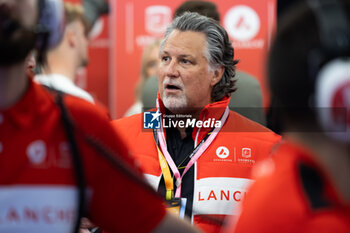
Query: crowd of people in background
[[196, 152]]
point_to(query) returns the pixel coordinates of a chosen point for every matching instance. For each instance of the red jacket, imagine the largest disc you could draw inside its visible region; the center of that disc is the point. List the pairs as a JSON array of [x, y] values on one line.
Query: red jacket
[[220, 181], [294, 195], [37, 181]]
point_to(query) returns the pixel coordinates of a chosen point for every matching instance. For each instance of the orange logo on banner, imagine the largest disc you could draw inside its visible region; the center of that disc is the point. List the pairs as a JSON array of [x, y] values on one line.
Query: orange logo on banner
[[242, 23], [157, 18]]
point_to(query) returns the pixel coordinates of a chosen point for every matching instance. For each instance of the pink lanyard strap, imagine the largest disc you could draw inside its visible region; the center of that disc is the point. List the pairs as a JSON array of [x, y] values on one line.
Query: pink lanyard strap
[[200, 151]]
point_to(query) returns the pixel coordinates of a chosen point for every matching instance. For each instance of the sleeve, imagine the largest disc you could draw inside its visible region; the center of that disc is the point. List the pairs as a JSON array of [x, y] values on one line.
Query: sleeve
[[118, 202]]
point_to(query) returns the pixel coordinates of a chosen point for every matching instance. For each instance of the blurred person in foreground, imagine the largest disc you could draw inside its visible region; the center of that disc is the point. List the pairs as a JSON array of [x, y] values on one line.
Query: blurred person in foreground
[[199, 154], [55, 166], [63, 61], [305, 186]]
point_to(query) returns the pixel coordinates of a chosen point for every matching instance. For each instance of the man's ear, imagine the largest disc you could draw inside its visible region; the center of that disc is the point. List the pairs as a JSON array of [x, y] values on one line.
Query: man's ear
[[71, 37], [217, 75]]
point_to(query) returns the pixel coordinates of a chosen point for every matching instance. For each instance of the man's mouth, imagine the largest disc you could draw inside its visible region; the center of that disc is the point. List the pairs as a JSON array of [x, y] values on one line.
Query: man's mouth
[[172, 87]]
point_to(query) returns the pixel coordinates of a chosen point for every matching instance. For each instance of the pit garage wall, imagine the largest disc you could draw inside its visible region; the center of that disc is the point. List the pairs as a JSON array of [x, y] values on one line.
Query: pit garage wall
[[115, 51]]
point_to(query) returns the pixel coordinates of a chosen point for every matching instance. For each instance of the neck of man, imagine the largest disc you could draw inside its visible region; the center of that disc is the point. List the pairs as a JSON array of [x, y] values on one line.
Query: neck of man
[[333, 156], [63, 64], [13, 84]]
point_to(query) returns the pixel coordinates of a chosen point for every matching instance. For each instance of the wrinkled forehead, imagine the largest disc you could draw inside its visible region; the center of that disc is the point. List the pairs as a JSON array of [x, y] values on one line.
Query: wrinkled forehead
[[185, 42]]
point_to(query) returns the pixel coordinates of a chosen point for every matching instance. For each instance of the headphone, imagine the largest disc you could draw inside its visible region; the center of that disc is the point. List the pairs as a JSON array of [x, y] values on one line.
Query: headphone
[[50, 27], [330, 69]]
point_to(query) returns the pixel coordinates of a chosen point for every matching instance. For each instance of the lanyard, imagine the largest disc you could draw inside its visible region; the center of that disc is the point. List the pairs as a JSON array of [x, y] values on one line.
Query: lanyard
[[168, 180], [197, 152]]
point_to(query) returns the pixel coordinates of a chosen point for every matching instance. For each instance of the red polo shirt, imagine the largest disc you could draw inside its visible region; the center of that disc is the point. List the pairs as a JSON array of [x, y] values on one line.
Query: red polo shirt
[[294, 196], [37, 183]]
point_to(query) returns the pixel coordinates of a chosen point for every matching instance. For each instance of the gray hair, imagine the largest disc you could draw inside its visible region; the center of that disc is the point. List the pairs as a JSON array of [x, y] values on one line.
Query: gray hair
[[219, 51]]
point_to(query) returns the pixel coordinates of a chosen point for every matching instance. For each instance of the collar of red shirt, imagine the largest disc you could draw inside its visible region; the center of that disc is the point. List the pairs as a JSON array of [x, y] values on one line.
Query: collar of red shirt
[[27, 111]]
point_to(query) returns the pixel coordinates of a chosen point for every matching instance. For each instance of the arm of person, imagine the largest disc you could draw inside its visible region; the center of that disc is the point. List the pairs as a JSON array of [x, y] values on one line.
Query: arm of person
[[172, 224]]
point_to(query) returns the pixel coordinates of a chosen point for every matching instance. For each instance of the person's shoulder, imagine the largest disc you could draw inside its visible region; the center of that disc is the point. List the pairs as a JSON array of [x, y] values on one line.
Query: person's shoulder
[[240, 124], [243, 123], [80, 104], [134, 121], [84, 113], [274, 201], [128, 126], [279, 174], [91, 121]]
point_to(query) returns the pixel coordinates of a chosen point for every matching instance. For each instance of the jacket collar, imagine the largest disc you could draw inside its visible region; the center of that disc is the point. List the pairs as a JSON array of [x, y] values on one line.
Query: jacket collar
[[212, 111], [27, 111]]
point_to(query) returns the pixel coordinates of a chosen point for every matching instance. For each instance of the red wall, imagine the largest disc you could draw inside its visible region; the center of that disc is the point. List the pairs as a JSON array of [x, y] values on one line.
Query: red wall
[[115, 55]]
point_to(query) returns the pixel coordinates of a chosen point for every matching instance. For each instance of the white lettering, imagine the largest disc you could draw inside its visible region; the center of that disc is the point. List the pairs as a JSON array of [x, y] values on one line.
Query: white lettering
[[221, 195], [199, 124], [190, 123], [253, 44], [217, 124], [164, 123], [206, 124], [209, 123], [46, 214], [181, 124]]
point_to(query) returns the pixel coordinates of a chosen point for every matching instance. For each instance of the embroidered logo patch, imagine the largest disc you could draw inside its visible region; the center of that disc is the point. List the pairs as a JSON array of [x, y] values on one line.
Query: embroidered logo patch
[[222, 152], [246, 152], [36, 152]]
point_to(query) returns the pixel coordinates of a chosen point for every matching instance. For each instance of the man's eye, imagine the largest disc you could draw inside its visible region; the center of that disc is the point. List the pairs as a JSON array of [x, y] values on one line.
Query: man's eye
[[165, 58], [185, 61]]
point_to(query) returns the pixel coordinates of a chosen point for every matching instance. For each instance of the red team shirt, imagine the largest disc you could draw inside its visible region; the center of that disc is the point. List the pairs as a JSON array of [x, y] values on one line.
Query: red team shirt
[[38, 192], [220, 181], [294, 196]]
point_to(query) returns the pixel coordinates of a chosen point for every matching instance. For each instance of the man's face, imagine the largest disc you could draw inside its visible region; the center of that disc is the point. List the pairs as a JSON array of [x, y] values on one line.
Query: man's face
[[17, 36], [185, 81]]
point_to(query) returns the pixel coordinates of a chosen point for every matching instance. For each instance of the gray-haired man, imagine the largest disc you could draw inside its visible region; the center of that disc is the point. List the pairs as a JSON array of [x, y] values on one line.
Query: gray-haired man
[[200, 153]]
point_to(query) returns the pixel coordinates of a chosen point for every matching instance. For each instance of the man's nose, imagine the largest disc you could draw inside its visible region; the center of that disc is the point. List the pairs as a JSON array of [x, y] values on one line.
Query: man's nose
[[172, 69]]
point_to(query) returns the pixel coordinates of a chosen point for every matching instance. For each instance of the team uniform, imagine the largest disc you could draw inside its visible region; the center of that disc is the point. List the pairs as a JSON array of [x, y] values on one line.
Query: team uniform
[[38, 192], [62, 83], [218, 179], [293, 195]]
